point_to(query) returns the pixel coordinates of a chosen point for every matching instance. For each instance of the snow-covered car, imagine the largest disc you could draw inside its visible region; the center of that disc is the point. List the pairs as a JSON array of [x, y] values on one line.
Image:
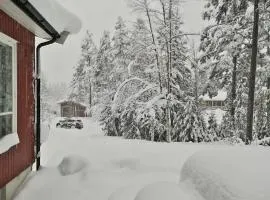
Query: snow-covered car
[[70, 123]]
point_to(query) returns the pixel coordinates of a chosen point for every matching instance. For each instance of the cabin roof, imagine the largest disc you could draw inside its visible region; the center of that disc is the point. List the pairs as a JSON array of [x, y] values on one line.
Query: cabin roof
[[70, 101], [221, 96]]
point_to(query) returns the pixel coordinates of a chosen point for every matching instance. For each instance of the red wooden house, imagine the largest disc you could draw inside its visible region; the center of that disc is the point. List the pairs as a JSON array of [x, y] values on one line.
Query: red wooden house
[[20, 22]]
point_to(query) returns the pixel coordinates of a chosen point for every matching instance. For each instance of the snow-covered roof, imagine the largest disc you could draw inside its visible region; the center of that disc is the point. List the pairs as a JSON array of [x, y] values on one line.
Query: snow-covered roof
[[59, 17], [44, 18], [221, 96], [71, 101]]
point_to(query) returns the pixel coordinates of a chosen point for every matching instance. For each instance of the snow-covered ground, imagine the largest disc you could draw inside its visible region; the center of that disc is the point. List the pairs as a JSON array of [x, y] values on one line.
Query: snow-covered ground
[[84, 164], [232, 173]]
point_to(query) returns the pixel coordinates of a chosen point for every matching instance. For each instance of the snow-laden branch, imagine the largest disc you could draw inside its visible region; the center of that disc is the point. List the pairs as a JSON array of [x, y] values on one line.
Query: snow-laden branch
[[134, 79]]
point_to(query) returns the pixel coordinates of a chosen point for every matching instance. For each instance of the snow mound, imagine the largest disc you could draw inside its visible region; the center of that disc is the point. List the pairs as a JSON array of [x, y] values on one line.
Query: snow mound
[[8, 141], [162, 191], [240, 173], [125, 193], [129, 163], [71, 165]]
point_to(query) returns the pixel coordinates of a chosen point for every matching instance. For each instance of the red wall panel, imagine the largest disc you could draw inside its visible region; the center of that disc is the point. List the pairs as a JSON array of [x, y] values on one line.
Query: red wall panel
[[20, 157]]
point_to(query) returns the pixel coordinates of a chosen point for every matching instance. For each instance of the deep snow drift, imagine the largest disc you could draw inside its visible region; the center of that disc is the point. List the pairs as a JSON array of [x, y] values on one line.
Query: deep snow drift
[[84, 164], [234, 173], [164, 191]]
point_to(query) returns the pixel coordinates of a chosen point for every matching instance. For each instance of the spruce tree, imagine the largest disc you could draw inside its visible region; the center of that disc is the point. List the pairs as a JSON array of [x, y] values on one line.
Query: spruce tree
[[212, 129]]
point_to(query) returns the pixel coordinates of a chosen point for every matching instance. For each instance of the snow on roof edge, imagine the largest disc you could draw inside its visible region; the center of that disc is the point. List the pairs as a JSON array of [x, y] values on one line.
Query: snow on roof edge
[[58, 16], [221, 96], [66, 100]]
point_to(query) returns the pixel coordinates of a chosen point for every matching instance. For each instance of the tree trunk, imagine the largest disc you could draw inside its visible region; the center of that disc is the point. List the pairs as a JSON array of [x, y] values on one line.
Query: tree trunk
[[90, 99], [252, 75], [268, 107], [90, 94], [170, 47], [169, 68], [196, 86], [167, 44], [233, 91], [154, 43]]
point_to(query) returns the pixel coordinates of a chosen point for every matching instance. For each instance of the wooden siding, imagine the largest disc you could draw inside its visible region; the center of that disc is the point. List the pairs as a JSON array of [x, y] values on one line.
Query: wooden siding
[[72, 109], [20, 157]]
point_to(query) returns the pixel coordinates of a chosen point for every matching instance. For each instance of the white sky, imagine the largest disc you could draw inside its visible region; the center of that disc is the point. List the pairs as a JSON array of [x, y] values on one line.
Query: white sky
[[58, 61]]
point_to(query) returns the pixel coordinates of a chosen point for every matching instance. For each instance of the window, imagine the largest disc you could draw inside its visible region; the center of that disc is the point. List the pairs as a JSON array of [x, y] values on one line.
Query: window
[[215, 103], [8, 91], [209, 103]]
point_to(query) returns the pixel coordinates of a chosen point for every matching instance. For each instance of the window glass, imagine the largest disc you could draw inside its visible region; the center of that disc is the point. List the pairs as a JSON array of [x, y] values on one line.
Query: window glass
[[215, 103], [6, 90], [5, 125], [5, 78]]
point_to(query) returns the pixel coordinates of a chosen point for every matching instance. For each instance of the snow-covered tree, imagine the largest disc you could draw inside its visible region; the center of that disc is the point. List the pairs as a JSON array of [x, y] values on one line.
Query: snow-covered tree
[[191, 126], [81, 84], [212, 129], [46, 109], [103, 86], [78, 83]]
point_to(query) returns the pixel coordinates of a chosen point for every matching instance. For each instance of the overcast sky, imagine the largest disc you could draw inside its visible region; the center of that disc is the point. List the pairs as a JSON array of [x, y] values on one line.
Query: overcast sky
[[58, 61]]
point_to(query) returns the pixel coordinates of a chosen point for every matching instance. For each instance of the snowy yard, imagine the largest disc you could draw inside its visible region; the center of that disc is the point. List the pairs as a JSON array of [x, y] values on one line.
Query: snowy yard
[[100, 168]]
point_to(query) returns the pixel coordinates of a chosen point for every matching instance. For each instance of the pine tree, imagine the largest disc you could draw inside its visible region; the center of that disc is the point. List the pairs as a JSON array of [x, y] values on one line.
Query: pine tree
[[78, 83], [261, 117], [81, 84], [89, 52], [142, 56], [103, 86], [191, 126], [46, 108], [120, 51], [212, 129]]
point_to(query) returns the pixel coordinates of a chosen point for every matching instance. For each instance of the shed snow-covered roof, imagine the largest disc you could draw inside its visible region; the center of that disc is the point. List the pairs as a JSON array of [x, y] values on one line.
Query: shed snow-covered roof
[[70, 101], [221, 96], [44, 18]]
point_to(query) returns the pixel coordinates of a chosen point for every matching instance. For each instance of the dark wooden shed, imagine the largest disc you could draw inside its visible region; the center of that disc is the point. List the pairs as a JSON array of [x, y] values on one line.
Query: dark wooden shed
[[72, 109]]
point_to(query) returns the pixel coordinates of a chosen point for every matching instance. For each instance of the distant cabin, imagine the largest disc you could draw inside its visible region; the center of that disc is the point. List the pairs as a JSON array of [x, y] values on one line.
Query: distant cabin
[[214, 102], [72, 109]]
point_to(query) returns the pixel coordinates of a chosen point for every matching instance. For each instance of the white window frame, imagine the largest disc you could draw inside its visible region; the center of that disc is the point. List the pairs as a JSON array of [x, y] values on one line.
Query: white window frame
[[12, 139]]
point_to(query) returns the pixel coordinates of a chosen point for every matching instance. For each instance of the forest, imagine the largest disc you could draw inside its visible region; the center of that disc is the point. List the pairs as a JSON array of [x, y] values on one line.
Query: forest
[[144, 80]]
